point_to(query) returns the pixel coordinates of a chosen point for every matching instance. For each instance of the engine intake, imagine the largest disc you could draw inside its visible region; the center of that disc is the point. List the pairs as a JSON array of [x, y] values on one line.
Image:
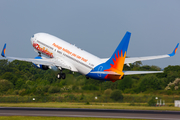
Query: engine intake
[[43, 67]]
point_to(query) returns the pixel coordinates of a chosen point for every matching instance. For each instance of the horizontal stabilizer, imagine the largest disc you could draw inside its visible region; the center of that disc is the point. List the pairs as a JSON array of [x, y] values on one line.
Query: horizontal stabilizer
[[126, 72], [140, 72]]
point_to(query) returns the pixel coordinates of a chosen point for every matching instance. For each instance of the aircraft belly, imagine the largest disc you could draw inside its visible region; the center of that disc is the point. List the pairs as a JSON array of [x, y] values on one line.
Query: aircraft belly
[[83, 70]]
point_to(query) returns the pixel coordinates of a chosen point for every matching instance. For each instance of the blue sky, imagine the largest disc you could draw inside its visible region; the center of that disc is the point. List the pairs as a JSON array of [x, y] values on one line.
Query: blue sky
[[96, 26]]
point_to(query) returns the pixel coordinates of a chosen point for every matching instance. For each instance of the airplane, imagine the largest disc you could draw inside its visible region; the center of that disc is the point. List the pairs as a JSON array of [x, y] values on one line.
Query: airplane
[[64, 55]]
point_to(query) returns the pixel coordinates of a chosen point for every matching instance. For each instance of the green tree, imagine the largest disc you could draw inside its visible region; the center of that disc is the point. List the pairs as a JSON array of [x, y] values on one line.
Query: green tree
[[109, 85], [125, 83], [4, 66], [19, 83], [108, 92], [152, 102], [149, 68], [54, 89], [172, 68], [5, 85], [116, 95], [137, 64], [39, 90], [90, 87], [149, 82], [171, 76], [10, 76], [170, 71]]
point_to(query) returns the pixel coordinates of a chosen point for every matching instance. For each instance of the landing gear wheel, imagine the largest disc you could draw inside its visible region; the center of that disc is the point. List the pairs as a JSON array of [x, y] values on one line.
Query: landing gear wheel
[[59, 76], [63, 75]]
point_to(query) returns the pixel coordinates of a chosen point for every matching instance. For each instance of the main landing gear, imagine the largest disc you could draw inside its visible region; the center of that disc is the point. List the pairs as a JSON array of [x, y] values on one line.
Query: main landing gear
[[61, 75]]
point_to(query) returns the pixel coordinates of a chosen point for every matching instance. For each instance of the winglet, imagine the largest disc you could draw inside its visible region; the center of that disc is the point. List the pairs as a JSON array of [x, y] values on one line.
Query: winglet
[[3, 51], [174, 51]]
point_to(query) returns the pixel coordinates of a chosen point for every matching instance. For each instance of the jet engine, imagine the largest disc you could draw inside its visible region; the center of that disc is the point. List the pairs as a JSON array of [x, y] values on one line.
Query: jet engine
[[43, 67]]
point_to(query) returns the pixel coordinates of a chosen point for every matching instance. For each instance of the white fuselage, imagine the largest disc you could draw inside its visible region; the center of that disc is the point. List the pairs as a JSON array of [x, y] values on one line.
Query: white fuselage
[[78, 59]]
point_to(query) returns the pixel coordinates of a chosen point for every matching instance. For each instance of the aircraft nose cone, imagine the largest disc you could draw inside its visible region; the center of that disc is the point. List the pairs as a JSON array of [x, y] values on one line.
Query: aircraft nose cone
[[32, 39]]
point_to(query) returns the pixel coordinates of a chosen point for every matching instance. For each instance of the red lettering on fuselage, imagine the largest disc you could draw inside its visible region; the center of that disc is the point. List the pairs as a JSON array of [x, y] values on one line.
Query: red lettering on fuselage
[[43, 50]]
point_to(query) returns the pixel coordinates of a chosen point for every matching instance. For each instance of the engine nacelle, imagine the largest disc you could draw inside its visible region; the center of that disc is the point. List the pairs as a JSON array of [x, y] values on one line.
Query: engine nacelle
[[43, 67]]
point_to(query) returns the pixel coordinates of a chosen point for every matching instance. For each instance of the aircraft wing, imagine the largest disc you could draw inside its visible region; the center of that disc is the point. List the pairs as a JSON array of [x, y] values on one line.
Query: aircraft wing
[[47, 61], [132, 60]]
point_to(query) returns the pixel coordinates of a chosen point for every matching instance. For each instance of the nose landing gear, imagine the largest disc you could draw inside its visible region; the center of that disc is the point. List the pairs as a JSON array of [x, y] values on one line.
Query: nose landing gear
[[39, 54]]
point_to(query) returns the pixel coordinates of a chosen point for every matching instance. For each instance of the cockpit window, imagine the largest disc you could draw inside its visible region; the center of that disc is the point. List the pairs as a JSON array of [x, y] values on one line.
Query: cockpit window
[[32, 36]]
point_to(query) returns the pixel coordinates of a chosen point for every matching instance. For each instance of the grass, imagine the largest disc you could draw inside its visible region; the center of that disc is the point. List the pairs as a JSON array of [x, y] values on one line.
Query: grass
[[138, 106], [57, 118], [86, 97]]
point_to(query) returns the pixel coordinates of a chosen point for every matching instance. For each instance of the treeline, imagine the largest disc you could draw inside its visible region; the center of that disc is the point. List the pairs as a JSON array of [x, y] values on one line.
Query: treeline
[[23, 78]]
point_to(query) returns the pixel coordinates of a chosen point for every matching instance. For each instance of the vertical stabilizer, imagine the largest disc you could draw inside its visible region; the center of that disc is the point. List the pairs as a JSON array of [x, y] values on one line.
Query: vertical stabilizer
[[112, 69], [116, 62]]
